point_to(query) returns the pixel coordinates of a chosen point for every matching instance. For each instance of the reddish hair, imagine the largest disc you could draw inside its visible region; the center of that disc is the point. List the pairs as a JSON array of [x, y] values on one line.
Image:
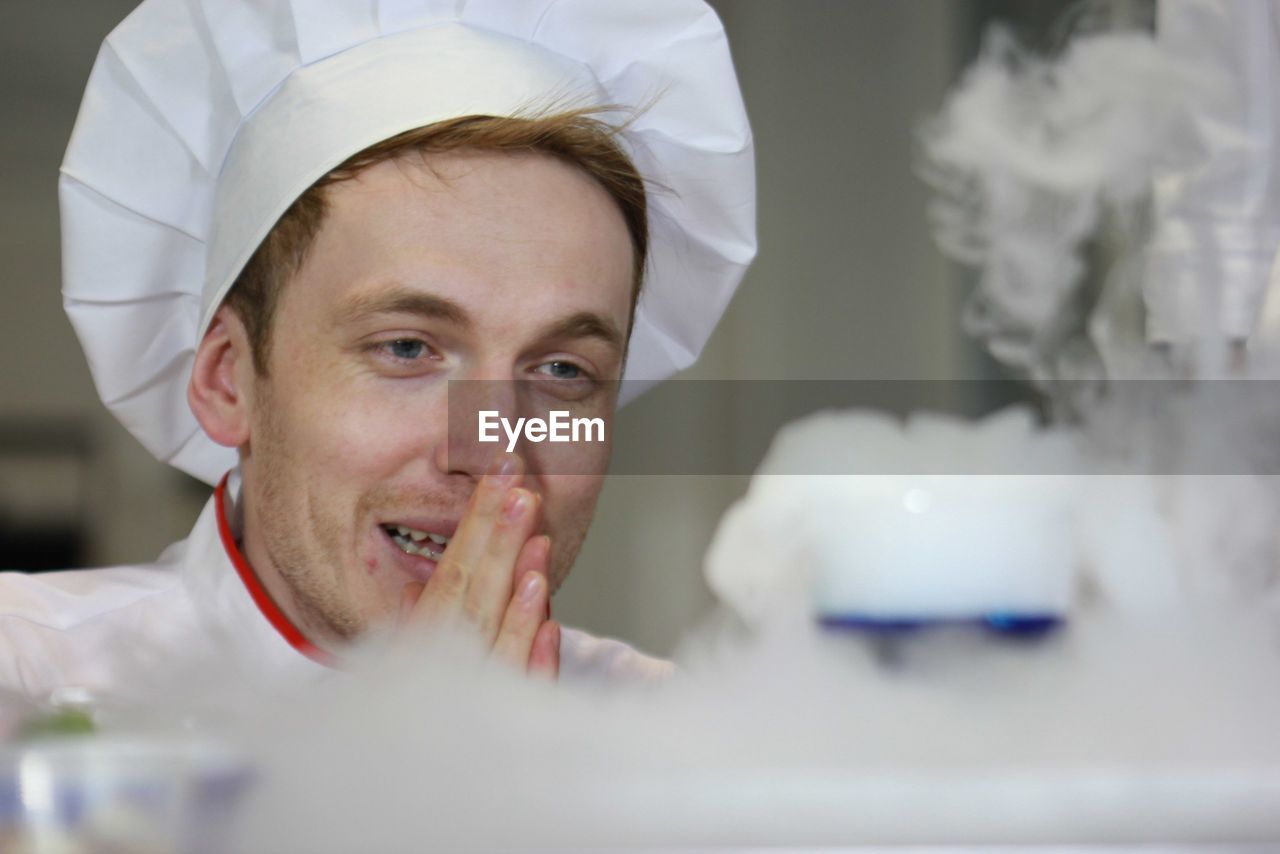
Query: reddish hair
[[577, 137]]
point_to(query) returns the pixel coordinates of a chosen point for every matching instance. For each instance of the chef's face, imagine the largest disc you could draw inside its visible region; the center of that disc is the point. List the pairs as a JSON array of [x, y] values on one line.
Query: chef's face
[[478, 266]]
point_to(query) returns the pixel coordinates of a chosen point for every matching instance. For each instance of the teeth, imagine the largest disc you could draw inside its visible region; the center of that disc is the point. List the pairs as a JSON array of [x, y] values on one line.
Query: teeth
[[425, 552], [419, 536], [411, 542], [416, 536], [413, 549]]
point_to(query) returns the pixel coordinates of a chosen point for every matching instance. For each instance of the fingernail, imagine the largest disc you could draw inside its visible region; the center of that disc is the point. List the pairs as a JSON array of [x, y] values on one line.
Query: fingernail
[[515, 504], [504, 468], [529, 587]]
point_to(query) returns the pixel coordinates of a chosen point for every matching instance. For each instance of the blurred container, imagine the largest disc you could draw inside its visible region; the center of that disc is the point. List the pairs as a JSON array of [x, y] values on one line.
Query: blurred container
[[114, 794]]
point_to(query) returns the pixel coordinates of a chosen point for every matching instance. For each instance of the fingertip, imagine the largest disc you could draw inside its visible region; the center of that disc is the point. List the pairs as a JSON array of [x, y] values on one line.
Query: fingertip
[[505, 469], [533, 585], [544, 659]]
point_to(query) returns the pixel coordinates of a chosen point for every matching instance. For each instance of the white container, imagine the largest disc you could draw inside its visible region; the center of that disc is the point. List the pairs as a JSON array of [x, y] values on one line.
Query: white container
[[943, 547]]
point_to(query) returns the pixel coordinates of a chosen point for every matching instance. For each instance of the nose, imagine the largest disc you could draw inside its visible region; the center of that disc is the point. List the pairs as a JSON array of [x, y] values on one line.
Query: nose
[[464, 451]]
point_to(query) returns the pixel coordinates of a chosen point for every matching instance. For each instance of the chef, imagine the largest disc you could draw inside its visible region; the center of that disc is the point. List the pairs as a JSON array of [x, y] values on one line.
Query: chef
[[289, 228]]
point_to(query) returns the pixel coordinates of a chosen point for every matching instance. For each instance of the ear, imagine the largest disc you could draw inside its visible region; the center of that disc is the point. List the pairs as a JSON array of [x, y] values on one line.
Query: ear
[[220, 391]]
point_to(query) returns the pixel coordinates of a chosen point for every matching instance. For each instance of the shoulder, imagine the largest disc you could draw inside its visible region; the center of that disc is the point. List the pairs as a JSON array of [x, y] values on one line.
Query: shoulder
[[587, 658], [64, 600], [59, 628]]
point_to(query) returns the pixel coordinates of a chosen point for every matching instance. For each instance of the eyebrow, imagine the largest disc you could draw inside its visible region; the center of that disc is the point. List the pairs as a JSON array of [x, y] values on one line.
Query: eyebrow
[[405, 301], [585, 324], [399, 300]]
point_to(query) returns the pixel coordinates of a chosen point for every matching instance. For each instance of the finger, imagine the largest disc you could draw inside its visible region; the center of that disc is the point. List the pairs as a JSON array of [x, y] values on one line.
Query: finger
[[409, 595], [544, 656], [515, 639], [490, 590], [534, 556], [524, 616], [447, 588]]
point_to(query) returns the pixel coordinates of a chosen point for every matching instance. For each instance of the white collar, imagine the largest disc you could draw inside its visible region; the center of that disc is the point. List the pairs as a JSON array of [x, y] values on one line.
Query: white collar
[[233, 606]]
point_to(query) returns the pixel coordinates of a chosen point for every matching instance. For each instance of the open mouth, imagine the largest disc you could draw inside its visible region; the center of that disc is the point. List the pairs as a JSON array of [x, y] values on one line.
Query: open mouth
[[414, 542]]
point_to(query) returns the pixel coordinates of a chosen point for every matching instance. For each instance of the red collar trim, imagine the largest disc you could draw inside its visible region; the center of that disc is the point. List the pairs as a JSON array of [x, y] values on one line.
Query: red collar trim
[[257, 592]]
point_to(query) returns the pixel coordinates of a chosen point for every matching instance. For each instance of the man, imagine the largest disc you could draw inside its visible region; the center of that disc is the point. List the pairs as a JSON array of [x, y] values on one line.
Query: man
[[288, 229]]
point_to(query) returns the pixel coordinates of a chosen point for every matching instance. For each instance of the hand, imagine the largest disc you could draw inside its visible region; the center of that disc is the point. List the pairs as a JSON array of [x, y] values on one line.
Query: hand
[[494, 574]]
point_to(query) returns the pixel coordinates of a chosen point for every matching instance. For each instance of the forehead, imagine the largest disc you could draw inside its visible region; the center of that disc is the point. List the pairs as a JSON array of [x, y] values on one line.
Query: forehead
[[505, 234]]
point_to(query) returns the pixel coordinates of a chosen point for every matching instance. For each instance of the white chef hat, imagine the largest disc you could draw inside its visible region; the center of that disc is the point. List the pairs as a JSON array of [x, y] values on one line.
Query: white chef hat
[[203, 120]]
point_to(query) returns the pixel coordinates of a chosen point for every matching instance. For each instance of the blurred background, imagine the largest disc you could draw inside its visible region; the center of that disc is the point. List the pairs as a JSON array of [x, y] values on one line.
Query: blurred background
[[847, 286]]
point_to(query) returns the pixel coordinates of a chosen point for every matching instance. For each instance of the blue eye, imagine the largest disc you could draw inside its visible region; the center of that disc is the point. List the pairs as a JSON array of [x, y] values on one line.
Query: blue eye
[[561, 370], [408, 349]]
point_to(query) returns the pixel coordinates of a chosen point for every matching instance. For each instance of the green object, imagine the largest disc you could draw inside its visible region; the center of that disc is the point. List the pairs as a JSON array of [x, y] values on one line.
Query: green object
[[60, 723]]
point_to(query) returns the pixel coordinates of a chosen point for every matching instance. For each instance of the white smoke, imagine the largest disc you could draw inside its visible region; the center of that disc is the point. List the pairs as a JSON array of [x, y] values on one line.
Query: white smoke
[[1029, 156]]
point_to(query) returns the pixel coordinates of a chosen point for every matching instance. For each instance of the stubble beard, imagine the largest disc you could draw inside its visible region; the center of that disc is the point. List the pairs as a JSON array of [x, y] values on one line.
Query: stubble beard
[[303, 559], [567, 543], [305, 562]]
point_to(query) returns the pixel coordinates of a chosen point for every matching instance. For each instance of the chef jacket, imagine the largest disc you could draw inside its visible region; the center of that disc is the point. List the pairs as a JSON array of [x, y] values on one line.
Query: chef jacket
[[107, 631], [1217, 200]]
